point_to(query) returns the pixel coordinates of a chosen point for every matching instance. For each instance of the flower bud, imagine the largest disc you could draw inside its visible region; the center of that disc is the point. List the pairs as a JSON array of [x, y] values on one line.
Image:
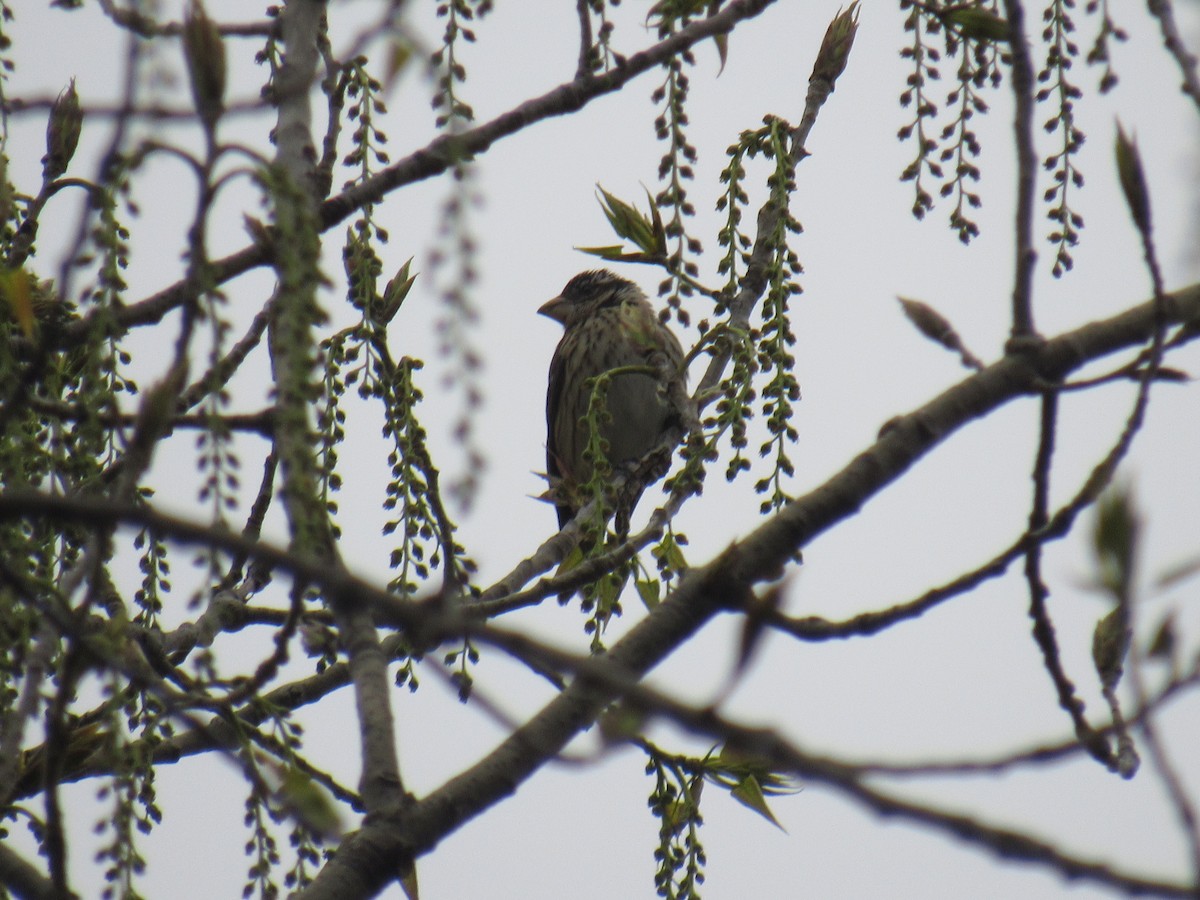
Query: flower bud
[[62, 133]]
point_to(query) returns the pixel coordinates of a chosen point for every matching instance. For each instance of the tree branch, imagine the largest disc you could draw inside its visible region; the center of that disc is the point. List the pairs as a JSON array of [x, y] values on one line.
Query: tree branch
[[1164, 11], [445, 151], [363, 863], [24, 879], [433, 160]]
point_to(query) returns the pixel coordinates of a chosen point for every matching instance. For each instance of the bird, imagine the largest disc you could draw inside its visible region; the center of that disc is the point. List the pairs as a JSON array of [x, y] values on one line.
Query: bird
[[608, 323]]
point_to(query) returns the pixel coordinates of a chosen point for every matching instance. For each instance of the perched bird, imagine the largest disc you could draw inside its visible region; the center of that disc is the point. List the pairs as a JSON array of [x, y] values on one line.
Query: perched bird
[[609, 324]]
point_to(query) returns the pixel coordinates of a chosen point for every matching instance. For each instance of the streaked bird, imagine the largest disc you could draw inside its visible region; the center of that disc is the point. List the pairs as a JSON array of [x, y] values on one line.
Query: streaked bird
[[609, 324]]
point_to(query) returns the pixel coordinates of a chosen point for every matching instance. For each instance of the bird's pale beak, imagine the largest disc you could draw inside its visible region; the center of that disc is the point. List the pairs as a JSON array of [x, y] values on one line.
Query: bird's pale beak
[[554, 308]]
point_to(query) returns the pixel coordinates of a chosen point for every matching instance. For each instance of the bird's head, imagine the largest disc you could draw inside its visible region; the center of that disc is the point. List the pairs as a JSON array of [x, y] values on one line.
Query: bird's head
[[586, 293]]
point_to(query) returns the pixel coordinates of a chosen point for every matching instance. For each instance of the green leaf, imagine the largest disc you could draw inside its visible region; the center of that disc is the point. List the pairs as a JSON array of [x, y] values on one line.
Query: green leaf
[[649, 590], [666, 13], [722, 42], [684, 810], [310, 803], [736, 765], [608, 590], [620, 722], [396, 291], [16, 287], [668, 552], [749, 793], [1114, 540], [1164, 644], [614, 252], [408, 880], [647, 233], [399, 54], [574, 558], [977, 23]]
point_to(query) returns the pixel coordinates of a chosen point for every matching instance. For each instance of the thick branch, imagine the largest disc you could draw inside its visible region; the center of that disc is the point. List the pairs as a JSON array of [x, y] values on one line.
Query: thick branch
[[760, 556], [24, 879], [363, 864], [900, 444]]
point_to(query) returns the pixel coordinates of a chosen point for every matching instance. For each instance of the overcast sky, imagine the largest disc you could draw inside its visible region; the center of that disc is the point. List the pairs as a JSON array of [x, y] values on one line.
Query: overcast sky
[[964, 681]]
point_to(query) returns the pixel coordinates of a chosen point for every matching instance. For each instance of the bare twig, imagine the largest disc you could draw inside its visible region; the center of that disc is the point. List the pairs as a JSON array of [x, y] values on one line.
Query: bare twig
[[1164, 11], [1027, 167], [584, 67], [147, 27]]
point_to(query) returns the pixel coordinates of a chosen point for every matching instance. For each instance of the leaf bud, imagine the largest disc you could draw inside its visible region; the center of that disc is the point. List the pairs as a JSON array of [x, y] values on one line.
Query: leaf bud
[[204, 51], [62, 133], [836, 45]]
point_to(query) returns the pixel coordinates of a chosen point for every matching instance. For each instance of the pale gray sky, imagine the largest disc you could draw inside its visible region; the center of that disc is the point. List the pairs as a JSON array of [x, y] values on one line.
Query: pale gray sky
[[965, 680]]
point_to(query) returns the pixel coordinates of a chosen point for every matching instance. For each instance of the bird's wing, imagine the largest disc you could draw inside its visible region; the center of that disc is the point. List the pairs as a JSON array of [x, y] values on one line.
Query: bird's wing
[[556, 385]]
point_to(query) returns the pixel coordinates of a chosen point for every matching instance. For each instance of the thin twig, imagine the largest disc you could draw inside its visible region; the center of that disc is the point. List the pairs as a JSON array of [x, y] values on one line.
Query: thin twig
[[1164, 11], [1043, 628], [584, 67], [145, 26], [434, 159], [1027, 168]]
